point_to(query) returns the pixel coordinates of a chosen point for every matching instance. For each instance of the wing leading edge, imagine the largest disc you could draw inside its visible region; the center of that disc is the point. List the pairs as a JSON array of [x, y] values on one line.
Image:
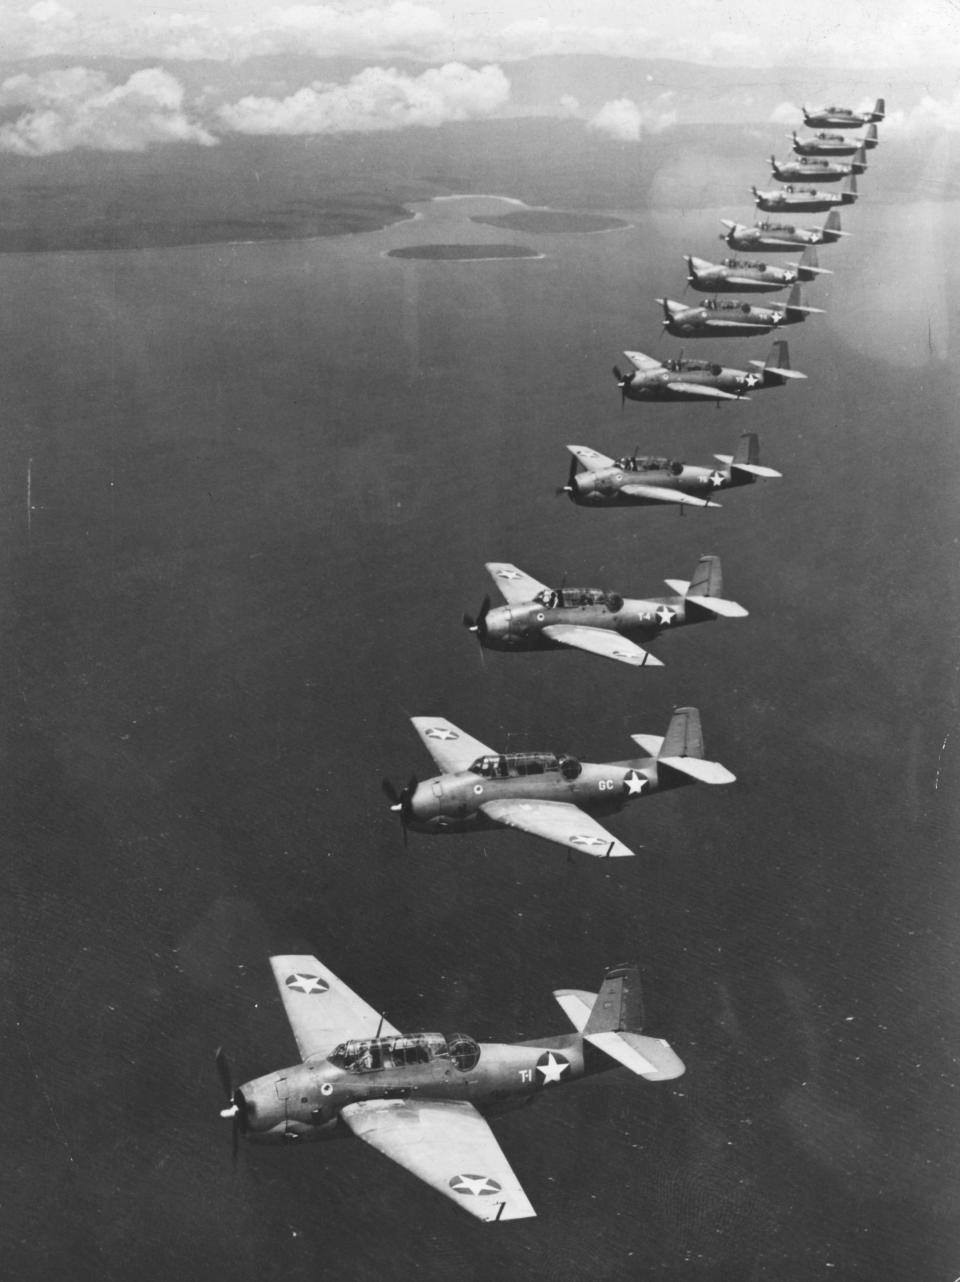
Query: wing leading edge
[[557, 821], [321, 1009]]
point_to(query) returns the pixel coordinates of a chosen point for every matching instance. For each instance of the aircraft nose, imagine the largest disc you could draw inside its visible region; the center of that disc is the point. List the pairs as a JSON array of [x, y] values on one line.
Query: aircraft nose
[[498, 623], [261, 1107]]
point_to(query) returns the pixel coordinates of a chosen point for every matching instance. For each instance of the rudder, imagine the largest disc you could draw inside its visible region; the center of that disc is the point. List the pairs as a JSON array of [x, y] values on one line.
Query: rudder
[[619, 1004]]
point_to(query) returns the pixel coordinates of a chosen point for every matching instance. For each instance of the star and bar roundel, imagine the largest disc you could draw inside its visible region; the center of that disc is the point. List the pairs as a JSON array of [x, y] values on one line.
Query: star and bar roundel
[[474, 1185], [551, 1067], [312, 985]]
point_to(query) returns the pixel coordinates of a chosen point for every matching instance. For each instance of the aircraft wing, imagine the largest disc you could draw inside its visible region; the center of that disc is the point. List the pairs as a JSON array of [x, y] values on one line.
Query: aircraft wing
[[321, 1009], [451, 748], [599, 641], [448, 1145], [516, 586], [590, 459], [645, 364], [556, 821], [707, 393], [660, 494]]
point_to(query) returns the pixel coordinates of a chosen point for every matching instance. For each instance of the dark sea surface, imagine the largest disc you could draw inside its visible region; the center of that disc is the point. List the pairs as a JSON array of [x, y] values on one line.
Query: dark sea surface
[[263, 480]]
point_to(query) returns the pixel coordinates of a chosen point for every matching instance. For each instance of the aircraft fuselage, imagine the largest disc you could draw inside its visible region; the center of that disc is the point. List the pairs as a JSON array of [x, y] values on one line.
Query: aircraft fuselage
[[831, 145], [814, 170], [605, 487], [303, 1102], [776, 239], [666, 385], [730, 320], [806, 199], [520, 627], [451, 803], [743, 279]]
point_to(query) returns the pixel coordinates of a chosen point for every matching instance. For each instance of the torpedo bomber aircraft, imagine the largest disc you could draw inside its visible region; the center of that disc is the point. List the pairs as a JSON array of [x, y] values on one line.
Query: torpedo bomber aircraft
[[843, 117], [816, 169], [683, 379], [782, 237], [823, 144], [540, 618], [639, 481], [422, 1100], [714, 317], [744, 275], [547, 794], [807, 199]]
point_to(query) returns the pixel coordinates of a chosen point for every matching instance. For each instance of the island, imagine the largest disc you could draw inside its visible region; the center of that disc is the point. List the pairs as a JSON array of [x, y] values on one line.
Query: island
[[550, 221], [463, 253]]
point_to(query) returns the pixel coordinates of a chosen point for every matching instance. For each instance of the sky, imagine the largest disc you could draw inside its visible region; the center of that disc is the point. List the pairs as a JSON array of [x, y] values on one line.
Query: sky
[[207, 78]]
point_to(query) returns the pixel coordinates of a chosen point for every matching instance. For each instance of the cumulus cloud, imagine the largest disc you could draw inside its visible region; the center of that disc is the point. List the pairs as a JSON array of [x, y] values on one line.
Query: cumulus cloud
[[928, 116], [624, 120], [374, 99], [77, 107]]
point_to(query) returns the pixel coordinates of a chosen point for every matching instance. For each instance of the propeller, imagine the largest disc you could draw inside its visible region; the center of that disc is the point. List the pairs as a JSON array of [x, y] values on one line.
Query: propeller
[[235, 1109], [623, 382], [479, 624], [568, 488], [401, 801]]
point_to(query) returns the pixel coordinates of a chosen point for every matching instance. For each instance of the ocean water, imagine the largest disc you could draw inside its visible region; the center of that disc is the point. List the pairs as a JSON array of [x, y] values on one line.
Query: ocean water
[[247, 491]]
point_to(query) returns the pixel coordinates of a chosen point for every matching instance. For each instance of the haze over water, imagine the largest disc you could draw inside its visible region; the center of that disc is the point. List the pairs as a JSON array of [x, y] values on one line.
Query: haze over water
[[263, 482]]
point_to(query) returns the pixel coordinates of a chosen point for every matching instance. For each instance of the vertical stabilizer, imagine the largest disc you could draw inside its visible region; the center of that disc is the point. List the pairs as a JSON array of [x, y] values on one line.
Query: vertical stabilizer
[[748, 449], [684, 738], [707, 578], [619, 1004]]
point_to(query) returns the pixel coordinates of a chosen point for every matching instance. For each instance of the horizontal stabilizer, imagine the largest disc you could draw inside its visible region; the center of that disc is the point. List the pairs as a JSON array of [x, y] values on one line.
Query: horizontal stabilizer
[[819, 271], [807, 311], [677, 585], [648, 1057], [775, 369], [576, 1005], [650, 743], [716, 605], [753, 468], [702, 771]]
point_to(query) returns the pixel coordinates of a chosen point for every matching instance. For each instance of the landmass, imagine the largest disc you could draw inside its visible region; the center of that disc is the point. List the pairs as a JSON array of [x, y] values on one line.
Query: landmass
[[463, 253], [550, 221]]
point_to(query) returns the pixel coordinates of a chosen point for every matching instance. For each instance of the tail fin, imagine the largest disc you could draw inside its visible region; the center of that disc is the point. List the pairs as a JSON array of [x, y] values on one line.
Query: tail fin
[[611, 1021], [808, 268], [859, 160], [879, 110], [747, 458], [796, 309], [776, 368], [871, 138], [850, 187], [704, 597], [831, 229], [682, 750]]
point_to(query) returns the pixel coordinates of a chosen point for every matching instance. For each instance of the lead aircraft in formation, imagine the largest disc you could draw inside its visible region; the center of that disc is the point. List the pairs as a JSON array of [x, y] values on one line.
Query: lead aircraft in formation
[[843, 117], [537, 617], [683, 379], [422, 1099], [546, 794], [642, 480]]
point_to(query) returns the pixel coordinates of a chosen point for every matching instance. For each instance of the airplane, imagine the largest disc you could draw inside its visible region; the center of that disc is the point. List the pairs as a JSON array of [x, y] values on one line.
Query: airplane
[[422, 1100], [808, 199], [843, 117], [639, 481], [779, 238], [537, 617], [685, 379], [823, 144], [818, 169], [546, 794], [732, 319], [741, 275]]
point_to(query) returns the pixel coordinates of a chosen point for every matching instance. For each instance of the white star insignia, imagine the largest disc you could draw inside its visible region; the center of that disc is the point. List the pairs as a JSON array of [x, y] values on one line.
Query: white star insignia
[[474, 1185], [552, 1069], [441, 732], [587, 841], [666, 615], [634, 783], [311, 984], [752, 380], [509, 574], [716, 478]]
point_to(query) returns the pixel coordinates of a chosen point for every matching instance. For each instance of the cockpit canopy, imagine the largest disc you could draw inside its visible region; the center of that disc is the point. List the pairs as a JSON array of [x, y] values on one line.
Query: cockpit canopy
[[648, 464], [745, 262], [787, 227], [570, 598], [518, 765], [374, 1054]]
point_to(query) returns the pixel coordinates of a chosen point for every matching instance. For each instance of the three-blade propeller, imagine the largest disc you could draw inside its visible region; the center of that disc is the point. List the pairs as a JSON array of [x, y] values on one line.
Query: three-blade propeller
[[401, 801], [235, 1108], [571, 475]]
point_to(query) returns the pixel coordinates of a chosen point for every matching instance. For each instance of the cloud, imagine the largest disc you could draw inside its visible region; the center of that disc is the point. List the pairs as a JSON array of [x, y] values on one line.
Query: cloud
[[374, 99], [624, 120], [77, 107], [930, 115]]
